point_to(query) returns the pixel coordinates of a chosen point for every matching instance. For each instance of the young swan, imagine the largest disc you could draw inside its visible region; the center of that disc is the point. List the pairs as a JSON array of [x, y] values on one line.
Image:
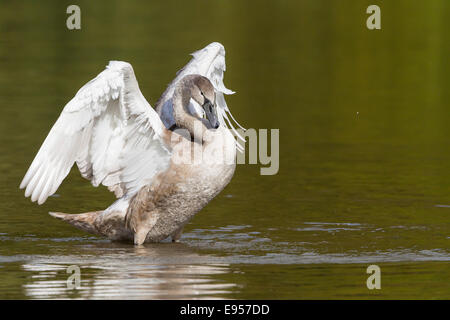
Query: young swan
[[118, 140]]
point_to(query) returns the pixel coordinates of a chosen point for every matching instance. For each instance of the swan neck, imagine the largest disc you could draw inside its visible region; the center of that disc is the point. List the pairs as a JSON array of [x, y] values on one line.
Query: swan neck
[[183, 118]]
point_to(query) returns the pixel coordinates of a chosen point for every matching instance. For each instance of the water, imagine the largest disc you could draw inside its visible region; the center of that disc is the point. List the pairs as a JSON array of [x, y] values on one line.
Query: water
[[364, 151]]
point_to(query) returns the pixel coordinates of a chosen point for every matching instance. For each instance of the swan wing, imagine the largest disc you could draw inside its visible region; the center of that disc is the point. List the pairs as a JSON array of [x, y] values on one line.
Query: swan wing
[[208, 62], [109, 130]]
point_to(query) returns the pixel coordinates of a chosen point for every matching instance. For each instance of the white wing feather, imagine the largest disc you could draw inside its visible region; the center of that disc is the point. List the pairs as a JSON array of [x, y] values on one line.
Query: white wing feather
[[112, 133], [208, 62]]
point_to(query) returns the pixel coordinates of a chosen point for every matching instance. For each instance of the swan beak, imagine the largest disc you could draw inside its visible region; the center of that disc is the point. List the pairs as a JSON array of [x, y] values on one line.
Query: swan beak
[[211, 113]]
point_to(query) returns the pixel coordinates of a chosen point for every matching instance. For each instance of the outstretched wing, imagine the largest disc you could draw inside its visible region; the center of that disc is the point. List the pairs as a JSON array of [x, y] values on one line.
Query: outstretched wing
[[208, 62], [109, 130]]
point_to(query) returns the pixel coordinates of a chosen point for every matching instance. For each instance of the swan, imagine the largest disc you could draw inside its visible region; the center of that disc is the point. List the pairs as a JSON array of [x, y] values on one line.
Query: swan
[[118, 140]]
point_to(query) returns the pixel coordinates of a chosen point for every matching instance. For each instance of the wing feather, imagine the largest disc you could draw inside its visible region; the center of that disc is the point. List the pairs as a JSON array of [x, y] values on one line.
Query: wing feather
[[109, 130], [208, 62]]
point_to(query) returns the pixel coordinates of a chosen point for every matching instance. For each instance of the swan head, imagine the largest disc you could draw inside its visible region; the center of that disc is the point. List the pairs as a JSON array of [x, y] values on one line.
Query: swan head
[[202, 91]]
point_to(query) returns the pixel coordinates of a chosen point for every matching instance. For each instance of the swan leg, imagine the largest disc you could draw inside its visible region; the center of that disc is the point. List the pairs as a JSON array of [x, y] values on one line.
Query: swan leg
[[176, 236], [142, 230], [140, 236]]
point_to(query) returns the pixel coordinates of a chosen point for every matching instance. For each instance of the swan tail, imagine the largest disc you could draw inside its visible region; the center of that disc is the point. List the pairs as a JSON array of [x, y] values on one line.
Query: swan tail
[[82, 221]]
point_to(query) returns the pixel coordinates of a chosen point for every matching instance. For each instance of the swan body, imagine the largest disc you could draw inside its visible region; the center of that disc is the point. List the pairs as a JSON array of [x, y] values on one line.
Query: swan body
[[147, 158]]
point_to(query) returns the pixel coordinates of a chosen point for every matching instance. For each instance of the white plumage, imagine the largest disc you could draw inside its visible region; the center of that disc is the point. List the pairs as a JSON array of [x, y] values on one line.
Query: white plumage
[[109, 130], [112, 132], [208, 62]]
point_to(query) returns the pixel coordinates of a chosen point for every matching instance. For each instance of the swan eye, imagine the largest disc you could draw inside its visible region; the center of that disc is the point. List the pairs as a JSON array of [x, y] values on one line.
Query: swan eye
[[201, 92]]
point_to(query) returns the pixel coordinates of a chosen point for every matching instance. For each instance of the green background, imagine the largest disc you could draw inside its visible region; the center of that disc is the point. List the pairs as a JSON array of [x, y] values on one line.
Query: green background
[[364, 152]]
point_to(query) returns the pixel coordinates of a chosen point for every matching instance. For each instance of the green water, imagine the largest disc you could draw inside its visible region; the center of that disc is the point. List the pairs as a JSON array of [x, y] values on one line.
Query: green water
[[364, 151]]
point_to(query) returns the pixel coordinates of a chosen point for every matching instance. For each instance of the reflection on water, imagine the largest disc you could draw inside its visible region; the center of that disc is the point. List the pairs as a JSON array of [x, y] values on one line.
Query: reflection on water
[[157, 272], [137, 282]]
